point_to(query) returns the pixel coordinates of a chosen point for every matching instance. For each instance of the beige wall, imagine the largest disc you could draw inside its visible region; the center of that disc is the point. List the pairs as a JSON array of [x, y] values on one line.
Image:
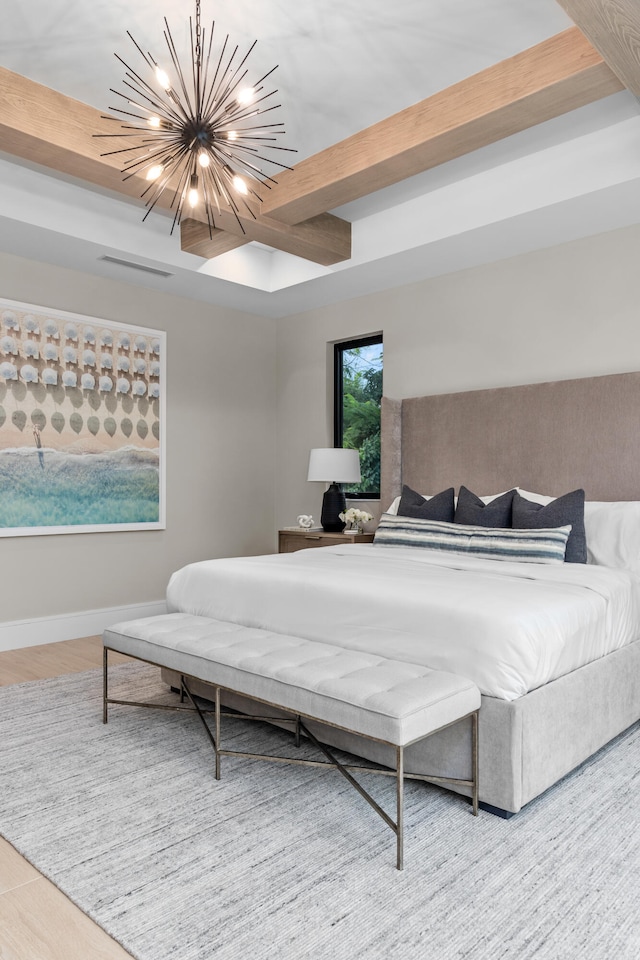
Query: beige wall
[[568, 311], [220, 434]]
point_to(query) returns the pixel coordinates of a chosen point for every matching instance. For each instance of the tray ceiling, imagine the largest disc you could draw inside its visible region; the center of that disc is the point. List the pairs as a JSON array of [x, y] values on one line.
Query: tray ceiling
[[342, 68]]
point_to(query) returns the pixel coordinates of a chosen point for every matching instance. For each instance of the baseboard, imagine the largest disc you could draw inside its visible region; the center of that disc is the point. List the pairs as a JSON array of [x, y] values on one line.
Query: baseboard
[[15, 634]]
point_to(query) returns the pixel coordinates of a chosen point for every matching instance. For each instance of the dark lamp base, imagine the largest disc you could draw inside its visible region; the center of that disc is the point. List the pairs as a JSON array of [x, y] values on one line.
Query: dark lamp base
[[333, 504]]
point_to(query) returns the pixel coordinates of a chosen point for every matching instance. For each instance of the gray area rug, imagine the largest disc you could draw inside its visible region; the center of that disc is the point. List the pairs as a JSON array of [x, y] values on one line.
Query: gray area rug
[[281, 862]]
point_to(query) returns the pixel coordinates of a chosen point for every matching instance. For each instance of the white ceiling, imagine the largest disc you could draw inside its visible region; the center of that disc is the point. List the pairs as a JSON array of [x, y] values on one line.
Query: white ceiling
[[343, 65]]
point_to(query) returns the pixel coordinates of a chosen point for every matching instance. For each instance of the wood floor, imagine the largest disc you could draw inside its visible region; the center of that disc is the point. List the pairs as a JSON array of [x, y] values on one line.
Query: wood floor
[[37, 922]]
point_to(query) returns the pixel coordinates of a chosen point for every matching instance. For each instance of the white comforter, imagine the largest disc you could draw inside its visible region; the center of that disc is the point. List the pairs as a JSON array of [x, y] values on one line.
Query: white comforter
[[509, 627]]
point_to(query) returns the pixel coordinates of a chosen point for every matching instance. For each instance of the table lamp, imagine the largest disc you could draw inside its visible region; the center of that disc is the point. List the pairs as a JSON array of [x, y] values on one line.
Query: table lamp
[[334, 465]]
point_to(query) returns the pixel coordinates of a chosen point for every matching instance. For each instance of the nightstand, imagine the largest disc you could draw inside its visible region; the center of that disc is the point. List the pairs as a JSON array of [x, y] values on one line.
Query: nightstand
[[297, 538]]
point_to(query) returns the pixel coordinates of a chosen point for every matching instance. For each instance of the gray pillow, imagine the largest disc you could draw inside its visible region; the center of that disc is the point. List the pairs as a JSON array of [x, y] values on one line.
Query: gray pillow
[[441, 507], [567, 509], [473, 512]]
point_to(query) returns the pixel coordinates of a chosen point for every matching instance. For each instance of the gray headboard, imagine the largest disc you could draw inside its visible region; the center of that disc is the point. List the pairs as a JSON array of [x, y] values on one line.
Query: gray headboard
[[545, 437]]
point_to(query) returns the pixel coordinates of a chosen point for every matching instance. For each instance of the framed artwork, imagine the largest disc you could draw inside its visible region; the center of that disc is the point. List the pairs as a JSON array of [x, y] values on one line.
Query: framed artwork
[[82, 410]]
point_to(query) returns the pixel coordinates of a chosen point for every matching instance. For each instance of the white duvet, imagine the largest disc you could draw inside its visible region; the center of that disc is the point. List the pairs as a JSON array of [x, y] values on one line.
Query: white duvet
[[509, 627]]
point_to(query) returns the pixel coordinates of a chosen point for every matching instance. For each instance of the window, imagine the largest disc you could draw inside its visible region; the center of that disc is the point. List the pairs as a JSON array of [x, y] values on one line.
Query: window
[[357, 396]]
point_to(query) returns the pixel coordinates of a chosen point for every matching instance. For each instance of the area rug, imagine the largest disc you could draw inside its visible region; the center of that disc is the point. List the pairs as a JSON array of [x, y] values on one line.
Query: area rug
[[283, 863]]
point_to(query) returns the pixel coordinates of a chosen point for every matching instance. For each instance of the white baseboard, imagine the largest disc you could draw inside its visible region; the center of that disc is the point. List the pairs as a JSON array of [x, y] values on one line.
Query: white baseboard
[[15, 634]]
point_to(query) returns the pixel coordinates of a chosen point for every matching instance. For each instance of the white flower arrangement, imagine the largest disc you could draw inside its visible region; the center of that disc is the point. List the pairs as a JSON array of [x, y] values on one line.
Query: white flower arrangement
[[355, 518]]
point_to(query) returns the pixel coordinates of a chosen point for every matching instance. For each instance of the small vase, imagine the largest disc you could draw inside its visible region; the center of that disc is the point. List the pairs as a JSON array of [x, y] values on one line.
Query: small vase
[[355, 527]]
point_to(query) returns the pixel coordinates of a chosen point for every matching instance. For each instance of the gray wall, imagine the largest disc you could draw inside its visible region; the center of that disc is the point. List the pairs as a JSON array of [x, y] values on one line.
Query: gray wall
[[568, 311], [220, 437]]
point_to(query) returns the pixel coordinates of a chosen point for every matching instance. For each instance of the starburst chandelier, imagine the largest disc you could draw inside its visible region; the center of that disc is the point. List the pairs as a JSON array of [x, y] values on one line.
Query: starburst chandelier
[[199, 136]]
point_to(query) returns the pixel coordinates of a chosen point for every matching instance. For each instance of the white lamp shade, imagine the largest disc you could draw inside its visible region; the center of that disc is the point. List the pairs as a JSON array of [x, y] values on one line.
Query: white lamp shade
[[334, 465]]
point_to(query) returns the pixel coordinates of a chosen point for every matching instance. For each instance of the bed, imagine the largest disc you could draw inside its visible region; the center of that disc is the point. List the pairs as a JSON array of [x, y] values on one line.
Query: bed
[[551, 696]]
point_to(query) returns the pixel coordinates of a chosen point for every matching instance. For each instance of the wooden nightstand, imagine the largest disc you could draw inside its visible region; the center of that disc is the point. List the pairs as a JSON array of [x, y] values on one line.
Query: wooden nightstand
[[299, 539]]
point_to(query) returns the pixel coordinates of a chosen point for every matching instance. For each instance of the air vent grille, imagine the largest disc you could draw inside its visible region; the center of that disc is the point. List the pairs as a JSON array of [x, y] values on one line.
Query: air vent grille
[[136, 266]]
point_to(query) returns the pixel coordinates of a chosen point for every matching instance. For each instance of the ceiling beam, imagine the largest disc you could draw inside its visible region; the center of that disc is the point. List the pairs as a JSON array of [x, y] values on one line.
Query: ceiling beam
[[316, 237], [45, 127], [613, 27], [195, 238], [545, 81]]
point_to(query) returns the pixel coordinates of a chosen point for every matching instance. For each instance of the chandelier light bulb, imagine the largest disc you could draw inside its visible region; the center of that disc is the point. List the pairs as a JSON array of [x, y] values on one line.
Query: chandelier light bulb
[[154, 122], [240, 185], [193, 196], [203, 158], [232, 135], [155, 171], [163, 78], [245, 95]]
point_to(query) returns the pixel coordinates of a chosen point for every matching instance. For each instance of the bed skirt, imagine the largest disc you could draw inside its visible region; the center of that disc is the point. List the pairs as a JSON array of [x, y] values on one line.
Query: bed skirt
[[526, 745]]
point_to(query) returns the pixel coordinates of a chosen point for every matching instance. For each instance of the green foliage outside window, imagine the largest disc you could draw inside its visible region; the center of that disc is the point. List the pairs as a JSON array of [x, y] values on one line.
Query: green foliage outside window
[[361, 383]]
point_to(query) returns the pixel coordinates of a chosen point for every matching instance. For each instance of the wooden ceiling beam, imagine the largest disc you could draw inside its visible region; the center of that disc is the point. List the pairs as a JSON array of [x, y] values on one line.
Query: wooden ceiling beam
[[325, 239], [47, 128], [545, 81], [195, 238], [613, 27], [552, 78]]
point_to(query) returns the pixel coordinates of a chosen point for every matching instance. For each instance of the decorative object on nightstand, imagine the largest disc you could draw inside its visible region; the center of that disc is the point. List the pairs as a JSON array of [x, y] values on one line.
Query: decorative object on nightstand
[[305, 521], [355, 518], [335, 466]]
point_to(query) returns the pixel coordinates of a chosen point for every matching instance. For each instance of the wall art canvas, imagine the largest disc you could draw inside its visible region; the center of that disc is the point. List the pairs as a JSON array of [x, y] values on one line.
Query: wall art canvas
[[81, 423]]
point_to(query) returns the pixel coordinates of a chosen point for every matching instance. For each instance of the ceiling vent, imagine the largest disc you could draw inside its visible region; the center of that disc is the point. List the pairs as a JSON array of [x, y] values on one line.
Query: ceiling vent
[[137, 266]]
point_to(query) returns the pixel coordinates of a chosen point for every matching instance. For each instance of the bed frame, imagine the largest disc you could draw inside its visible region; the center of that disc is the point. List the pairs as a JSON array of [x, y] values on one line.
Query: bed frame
[[548, 438]]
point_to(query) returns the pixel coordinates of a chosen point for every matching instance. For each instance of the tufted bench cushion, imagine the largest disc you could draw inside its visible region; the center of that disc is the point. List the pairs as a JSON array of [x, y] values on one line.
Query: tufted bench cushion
[[374, 696]]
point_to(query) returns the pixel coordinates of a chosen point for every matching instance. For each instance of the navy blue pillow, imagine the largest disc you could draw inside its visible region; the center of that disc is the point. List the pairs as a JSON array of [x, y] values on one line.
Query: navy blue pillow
[[473, 512], [567, 509], [441, 507]]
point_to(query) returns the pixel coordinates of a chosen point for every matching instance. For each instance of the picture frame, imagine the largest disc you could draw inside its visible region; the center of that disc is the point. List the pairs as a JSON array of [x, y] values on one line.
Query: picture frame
[[82, 423]]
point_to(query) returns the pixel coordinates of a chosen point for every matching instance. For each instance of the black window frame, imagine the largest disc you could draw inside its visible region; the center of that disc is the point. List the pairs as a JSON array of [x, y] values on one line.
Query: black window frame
[[338, 396]]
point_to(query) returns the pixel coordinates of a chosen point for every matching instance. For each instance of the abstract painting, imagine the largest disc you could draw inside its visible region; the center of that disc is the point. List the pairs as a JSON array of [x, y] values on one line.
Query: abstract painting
[[81, 423]]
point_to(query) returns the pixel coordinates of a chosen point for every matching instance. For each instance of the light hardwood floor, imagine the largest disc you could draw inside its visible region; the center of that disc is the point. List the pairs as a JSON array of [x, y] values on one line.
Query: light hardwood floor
[[37, 922]]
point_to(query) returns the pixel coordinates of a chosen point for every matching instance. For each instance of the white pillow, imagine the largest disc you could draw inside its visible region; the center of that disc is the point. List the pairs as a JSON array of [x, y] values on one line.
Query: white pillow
[[613, 533], [535, 497], [494, 496]]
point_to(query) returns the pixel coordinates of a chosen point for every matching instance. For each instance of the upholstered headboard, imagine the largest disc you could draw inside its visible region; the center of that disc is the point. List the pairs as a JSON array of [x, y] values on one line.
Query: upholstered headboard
[[545, 437]]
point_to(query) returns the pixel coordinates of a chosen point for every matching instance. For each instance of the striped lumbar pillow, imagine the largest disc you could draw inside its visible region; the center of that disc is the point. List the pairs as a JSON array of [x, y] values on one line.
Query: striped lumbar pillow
[[524, 546]]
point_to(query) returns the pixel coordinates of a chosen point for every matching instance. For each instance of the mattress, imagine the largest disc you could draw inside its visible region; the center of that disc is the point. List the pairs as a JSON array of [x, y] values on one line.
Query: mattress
[[509, 627]]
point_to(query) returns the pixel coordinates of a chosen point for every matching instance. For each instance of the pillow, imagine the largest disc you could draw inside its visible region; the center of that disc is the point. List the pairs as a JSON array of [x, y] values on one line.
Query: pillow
[[568, 509], [393, 508], [613, 533], [524, 546], [439, 507], [535, 497], [471, 510], [494, 496]]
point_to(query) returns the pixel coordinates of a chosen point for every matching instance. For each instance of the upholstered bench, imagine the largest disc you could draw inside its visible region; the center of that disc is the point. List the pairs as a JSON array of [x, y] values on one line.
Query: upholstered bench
[[386, 700]]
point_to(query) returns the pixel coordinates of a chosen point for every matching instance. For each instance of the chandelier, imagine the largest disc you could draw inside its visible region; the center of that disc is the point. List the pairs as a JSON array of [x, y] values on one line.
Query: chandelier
[[199, 136]]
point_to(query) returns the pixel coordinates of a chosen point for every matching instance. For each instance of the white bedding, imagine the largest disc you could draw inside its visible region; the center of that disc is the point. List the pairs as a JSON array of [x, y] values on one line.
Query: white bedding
[[509, 627]]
